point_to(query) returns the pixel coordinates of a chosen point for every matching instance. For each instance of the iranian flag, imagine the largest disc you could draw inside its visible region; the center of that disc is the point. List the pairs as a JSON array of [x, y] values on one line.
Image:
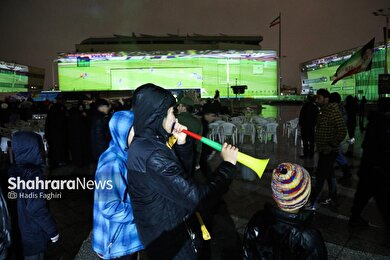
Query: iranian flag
[[359, 61]]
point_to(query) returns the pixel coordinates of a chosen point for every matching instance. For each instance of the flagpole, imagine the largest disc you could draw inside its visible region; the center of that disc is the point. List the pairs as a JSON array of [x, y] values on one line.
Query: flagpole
[[280, 55]]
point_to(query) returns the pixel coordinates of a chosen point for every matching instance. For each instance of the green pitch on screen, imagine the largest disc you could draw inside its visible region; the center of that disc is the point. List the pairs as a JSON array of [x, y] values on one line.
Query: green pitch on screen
[[207, 74]]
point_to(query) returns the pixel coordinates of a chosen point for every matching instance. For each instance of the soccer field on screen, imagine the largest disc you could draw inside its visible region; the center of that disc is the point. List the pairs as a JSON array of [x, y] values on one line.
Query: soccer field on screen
[[207, 71]]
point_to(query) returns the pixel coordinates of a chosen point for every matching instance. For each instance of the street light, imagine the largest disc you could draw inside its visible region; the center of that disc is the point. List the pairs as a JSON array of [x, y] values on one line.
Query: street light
[[385, 13]]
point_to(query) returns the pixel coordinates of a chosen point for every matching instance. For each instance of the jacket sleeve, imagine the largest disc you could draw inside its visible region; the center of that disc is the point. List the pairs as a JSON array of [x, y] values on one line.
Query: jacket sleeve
[[37, 209], [168, 178], [185, 154], [113, 200], [219, 185]]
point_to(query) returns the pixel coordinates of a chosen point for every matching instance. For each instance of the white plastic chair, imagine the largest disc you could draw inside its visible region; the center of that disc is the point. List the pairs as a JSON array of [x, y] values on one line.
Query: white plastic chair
[[249, 130], [214, 132], [298, 137], [219, 122], [228, 129], [236, 120], [260, 121], [291, 126], [271, 130]]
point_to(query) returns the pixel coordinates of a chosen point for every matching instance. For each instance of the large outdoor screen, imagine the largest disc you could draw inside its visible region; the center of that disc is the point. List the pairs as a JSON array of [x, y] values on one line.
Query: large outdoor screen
[[13, 77], [204, 70], [318, 73]]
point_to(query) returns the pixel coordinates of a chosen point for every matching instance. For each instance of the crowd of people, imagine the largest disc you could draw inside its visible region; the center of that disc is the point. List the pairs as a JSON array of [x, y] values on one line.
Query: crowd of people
[[325, 122], [158, 205]]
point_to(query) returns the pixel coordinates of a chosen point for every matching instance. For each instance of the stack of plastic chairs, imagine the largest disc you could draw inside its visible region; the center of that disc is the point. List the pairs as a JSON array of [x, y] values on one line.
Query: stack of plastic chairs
[[214, 132]]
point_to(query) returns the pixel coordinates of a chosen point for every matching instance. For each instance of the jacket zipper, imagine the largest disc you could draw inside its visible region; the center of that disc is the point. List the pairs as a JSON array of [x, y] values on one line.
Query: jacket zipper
[[116, 234]]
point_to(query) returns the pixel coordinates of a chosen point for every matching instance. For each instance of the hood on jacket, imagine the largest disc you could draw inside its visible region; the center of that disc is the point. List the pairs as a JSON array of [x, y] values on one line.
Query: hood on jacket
[[150, 106], [120, 125], [28, 148]]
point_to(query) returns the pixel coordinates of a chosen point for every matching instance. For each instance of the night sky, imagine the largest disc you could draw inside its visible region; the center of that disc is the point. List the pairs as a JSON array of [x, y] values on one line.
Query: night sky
[[33, 31]]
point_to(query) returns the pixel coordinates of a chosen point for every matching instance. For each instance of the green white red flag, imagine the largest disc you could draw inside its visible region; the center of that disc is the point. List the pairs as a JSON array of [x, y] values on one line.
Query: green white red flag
[[359, 61]]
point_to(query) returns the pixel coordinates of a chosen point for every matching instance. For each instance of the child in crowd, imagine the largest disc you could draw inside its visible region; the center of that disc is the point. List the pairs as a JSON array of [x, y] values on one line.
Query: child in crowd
[[114, 232], [36, 224], [284, 232]]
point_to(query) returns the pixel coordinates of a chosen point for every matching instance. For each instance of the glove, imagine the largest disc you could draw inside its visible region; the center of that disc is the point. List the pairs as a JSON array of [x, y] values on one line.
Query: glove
[[55, 239]]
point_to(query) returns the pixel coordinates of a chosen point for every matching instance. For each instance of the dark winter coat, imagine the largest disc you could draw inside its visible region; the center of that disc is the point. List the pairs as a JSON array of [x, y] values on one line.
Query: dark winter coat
[[56, 134], [78, 136], [36, 224], [308, 116], [376, 147], [162, 194], [275, 234]]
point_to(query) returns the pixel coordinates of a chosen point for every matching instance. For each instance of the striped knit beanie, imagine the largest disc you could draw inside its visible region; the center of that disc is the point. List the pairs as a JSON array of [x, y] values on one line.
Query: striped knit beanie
[[291, 186]]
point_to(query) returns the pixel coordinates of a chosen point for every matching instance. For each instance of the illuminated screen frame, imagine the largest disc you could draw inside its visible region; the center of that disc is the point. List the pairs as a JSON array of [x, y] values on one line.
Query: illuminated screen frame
[[206, 71], [13, 77]]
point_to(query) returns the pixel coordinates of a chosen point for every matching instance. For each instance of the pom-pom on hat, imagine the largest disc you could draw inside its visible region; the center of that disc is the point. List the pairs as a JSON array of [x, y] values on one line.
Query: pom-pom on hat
[[291, 186]]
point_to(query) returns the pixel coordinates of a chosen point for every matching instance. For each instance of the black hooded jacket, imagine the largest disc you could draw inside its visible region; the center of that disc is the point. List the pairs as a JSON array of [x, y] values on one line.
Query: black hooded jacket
[[36, 224], [275, 234], [162, 195]]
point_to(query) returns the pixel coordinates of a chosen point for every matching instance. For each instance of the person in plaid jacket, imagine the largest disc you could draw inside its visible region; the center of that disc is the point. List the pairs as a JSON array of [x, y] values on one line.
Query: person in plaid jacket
[[330, 132]]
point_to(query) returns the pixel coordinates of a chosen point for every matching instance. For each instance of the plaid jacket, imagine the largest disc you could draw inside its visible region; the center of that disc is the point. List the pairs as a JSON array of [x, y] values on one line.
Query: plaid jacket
[[330, 129], [114, 232]]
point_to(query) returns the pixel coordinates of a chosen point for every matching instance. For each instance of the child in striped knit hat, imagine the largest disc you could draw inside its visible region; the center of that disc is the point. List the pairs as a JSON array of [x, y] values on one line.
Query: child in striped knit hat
[[283, 231]]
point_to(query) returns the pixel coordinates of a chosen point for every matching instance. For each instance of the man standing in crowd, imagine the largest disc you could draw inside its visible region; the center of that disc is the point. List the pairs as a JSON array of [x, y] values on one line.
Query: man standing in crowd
[[307, 122], [374, 174], [330, 132], [163, 194], [185, 117], [100, 133], [78, 135], [56, 134]]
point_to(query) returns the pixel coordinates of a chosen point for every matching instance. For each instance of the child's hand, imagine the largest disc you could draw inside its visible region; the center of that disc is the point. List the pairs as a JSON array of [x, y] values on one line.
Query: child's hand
[[177, 132], [229, 153]]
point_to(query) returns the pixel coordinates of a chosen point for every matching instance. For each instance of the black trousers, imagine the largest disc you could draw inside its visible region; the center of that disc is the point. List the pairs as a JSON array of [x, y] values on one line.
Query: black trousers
[[307, 135], [370, 186], [325, 170]]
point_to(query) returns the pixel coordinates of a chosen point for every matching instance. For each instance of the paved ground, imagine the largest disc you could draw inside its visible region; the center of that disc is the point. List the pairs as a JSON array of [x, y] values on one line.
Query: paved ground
[[73, 211]]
